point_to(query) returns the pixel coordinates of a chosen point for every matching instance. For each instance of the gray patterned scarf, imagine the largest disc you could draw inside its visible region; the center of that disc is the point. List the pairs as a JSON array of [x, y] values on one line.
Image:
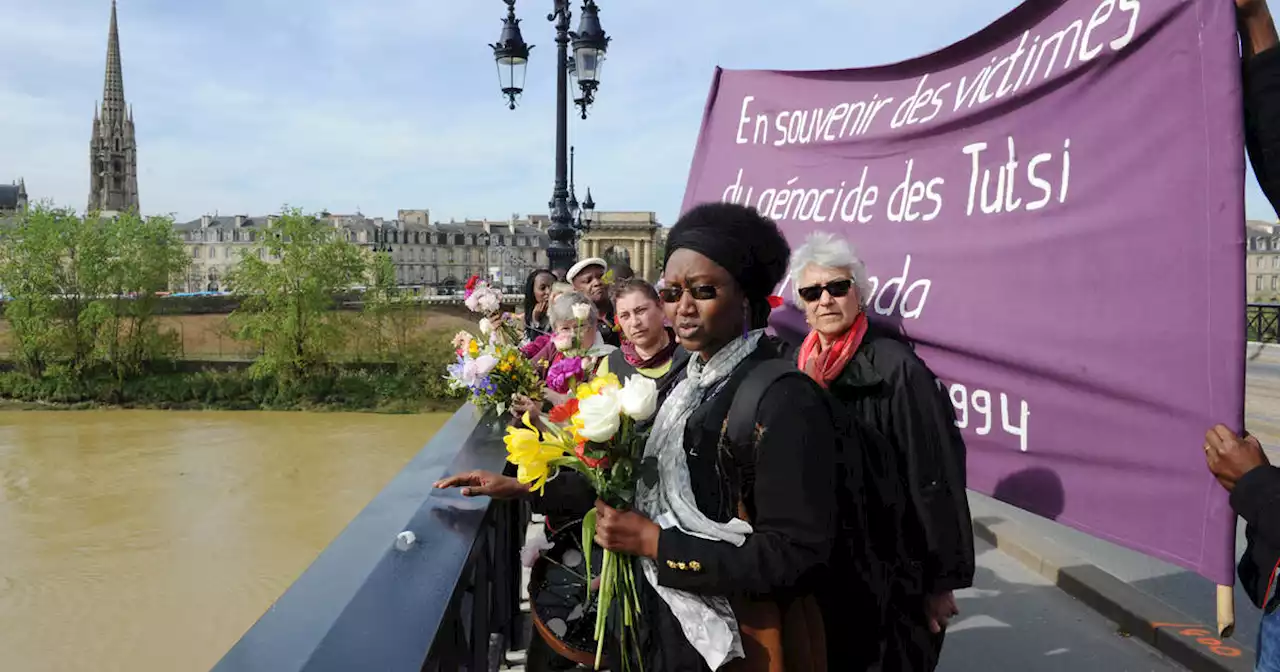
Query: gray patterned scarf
[[708, 622]]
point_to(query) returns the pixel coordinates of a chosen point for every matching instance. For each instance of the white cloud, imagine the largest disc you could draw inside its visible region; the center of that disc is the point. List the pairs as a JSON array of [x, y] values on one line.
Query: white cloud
[[244, 105]]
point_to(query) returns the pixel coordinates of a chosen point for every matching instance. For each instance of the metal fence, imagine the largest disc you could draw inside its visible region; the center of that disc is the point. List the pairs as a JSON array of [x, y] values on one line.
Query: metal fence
[[450, 601], [1262, 322]]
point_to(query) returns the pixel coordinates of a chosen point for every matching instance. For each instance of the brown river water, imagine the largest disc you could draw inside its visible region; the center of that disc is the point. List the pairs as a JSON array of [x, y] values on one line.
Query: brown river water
[[149, 541]]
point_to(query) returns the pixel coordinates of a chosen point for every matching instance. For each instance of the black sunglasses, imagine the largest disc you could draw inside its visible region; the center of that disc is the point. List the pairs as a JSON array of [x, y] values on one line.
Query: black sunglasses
[[836, 288], [699, 293]]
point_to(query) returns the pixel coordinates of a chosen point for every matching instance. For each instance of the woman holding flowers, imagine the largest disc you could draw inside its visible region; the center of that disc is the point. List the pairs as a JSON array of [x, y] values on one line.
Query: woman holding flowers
[[575, 348], [731, 546]]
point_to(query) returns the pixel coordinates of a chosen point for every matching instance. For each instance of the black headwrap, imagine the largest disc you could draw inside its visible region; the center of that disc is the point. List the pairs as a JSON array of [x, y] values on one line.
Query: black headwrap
[[747, 245]]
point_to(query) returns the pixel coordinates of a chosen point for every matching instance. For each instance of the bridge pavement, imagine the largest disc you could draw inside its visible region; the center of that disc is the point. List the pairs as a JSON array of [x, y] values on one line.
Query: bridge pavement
[[1014, 619]]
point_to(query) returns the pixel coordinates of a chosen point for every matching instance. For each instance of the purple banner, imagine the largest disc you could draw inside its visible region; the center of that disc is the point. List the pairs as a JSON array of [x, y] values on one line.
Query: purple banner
[[1053, 210]]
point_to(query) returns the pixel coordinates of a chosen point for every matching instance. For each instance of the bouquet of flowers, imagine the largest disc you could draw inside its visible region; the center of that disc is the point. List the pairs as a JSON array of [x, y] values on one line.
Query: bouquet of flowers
[[573, 367], [596, 434], [492, 374], [487, 301]]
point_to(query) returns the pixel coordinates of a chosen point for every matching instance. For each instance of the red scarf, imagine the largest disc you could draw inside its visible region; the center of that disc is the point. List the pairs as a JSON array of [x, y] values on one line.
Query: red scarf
[[658, 359], [824, 364]]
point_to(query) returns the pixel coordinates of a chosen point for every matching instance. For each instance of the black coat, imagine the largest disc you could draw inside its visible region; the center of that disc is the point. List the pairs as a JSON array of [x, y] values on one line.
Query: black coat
[[1261, 80], [888, 388], [1259, 493], [1256, 498], [790, 498], [891, 389]]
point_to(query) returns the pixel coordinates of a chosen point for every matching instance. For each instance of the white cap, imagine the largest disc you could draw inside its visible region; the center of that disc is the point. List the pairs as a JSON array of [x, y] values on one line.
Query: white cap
[[584, 265]]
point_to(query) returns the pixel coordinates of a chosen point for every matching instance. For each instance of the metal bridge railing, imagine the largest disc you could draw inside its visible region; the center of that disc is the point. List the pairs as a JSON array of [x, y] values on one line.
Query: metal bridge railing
[[450, 601], [1262, 322]]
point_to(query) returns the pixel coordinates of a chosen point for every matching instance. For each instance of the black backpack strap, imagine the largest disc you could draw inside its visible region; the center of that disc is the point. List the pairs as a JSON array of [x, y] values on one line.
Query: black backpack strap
[[619, 366], [740, 424]]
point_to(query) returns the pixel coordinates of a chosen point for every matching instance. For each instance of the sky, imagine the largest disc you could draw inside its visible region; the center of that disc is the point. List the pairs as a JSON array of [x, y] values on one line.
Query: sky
[[246, 106]]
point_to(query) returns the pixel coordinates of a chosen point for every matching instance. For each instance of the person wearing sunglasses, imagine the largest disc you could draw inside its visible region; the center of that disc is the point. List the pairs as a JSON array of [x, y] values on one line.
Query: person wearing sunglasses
[[732, 544], [880, 380]]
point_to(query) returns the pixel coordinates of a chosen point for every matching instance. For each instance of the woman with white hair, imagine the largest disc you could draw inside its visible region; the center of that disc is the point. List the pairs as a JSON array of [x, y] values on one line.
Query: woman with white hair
[[573, 330], [884, 385]]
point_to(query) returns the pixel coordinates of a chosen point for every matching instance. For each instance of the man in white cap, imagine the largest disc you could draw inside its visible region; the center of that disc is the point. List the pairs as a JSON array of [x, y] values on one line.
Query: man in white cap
[[587, 277]]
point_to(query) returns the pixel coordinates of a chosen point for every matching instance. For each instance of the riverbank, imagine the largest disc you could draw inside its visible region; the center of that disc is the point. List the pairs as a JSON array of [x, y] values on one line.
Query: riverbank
[[411, 390], [209, 335]]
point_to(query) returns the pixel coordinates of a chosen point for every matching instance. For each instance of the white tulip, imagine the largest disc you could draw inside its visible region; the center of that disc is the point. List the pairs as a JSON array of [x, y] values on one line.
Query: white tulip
[[639, 397], [484, 364], [600, 415], [581, 311], [485, 327]]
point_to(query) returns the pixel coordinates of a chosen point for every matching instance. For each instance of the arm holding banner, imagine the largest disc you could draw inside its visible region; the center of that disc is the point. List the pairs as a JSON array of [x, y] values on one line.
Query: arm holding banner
[[1241, 466]]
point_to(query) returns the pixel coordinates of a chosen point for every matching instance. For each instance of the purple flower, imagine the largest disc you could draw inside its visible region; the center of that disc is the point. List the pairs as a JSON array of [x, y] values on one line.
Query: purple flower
[[563, 372], [485, 385], [533, 347]]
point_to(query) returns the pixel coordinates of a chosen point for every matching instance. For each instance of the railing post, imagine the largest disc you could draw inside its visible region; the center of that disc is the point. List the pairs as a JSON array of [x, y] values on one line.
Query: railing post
[[481, 606]]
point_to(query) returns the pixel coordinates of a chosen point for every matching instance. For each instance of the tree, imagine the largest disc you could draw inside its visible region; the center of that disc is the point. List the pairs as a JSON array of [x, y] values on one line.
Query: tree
[[286, 283], [55, 270], [392, 315], [147, 254], [83, 290]]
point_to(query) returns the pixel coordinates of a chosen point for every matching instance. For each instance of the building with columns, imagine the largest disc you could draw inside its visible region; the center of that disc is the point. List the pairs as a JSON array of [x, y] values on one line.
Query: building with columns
[[634, 238]]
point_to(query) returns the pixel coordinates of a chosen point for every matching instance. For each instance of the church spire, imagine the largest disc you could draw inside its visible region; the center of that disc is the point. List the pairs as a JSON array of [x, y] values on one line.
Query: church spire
[[113, 158], [113, 106]]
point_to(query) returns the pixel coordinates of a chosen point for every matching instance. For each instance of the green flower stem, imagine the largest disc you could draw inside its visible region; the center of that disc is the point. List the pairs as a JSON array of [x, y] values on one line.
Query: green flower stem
[[606, 599]]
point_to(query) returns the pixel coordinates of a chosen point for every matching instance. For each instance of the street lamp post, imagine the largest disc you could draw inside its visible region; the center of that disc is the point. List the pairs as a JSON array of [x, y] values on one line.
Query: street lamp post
[[512, 56], [484, 241], [582, 215]]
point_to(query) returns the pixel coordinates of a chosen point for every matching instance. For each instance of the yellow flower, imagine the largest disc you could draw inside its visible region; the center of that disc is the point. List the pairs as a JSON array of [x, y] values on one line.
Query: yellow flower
[[606, 381], [531, 455], [596, 386], [473, 349]]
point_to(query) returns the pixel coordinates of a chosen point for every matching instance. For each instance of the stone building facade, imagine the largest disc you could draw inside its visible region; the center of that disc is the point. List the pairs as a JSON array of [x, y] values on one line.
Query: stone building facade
[[1262, 262], [432, 258]]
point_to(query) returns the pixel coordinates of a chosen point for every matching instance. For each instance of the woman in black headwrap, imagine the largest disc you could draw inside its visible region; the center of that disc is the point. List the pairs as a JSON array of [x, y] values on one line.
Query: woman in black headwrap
[[746, 532]]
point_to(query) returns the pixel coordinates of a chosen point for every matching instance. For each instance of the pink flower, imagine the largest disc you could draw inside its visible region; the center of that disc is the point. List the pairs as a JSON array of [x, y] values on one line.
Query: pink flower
[[533, 347], [562, 374], [533, 548]]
